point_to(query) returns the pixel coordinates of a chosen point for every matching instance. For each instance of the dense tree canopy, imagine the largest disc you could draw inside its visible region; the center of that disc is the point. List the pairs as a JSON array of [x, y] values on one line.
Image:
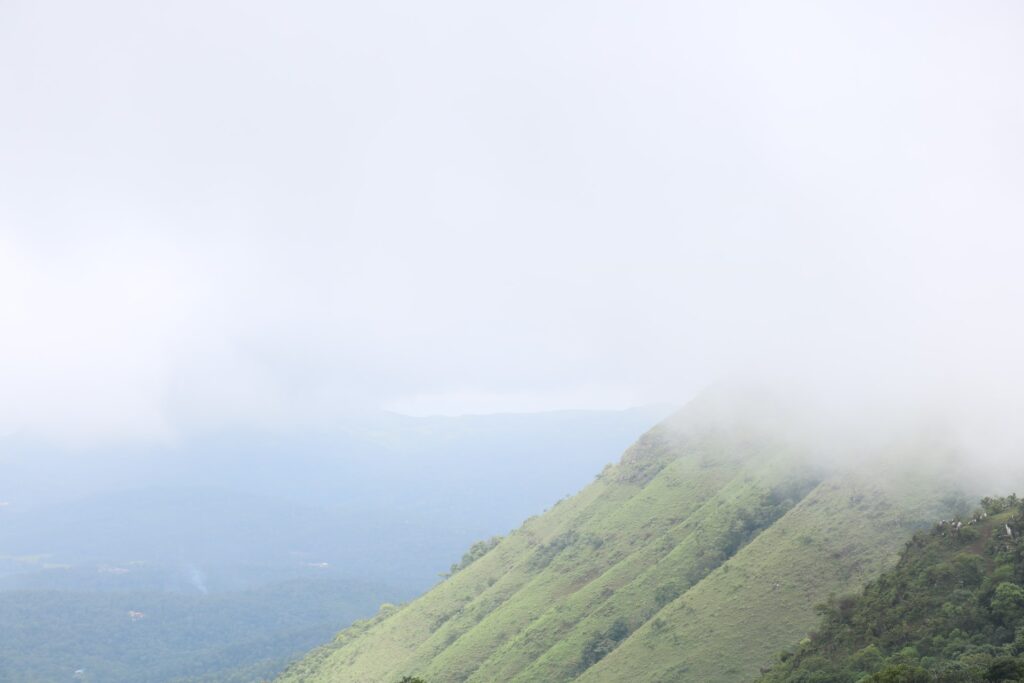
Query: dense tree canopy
[[951, 611]]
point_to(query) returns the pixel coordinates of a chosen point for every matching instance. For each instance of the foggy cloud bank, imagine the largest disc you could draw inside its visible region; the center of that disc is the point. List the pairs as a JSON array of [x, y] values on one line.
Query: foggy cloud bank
[[233, 214]]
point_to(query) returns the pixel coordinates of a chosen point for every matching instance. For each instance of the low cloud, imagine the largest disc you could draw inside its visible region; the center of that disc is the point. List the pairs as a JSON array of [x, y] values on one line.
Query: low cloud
[[218, 215]]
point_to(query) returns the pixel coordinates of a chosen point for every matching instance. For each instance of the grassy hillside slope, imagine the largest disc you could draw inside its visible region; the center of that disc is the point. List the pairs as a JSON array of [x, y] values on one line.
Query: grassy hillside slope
[[671, 566], [730, 624]]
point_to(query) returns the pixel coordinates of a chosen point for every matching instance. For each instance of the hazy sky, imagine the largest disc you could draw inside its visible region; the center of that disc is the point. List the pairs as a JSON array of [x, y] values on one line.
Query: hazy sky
[[220, 214]]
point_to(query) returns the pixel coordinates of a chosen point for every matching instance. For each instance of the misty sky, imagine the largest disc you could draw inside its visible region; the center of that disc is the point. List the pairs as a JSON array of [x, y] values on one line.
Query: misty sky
[[227, 214]]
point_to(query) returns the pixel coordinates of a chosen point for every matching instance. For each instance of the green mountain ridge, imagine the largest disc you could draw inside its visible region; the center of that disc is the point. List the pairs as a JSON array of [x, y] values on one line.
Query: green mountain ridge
[[698, 556]]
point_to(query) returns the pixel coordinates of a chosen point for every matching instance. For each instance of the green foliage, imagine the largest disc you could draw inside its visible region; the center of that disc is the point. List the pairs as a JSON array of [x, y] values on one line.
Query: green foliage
[[1005, 669], [1008, 603], [238, 637], [546, 553], [666, 593], [600, 644], [951, 610], [997, 505], [901, 673], [475, 552]]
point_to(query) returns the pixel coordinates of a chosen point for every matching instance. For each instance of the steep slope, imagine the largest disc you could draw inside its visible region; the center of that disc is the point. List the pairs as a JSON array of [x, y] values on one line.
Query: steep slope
[[669, 566], [951, 610]]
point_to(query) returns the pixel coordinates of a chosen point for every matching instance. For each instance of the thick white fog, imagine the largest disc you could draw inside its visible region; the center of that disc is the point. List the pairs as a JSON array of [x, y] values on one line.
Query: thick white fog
[[223, 214]]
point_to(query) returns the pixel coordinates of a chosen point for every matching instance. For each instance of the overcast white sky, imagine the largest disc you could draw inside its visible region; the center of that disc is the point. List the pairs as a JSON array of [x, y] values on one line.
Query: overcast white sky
[[220, 214]]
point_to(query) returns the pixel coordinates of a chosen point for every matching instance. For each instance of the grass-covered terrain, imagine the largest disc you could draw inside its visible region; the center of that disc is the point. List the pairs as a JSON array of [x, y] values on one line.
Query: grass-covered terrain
[[697, 557], [952, 610]]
